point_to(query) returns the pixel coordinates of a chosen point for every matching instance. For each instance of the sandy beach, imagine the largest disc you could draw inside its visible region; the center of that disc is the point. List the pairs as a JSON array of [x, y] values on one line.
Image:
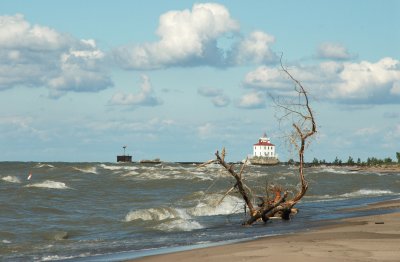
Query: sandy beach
[[367, 238]]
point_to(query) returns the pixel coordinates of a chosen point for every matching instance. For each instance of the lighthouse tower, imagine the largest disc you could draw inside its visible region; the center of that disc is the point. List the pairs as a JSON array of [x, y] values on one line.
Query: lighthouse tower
[[264, 148]]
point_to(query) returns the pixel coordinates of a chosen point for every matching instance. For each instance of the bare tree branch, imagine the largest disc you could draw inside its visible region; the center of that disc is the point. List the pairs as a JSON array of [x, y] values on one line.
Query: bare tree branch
[[302, 122]]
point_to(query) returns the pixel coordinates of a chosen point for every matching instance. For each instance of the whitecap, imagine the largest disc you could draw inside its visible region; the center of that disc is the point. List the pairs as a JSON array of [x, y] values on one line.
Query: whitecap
[[40, 165], [49, 184], [89, 170], [116, 167], [210, 205], [5, 241], [131, 173], [152, 176], [171, 219], [11, 179], [336, 171], [55, 257], [179, 225], [367, 192], [155, 214]]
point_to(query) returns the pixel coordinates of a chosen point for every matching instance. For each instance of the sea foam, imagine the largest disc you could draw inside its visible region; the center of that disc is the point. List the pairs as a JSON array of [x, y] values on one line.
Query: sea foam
[[169, 219], [211, 205], [49, 184], [179, 225], [117, 167], [367, 192], [40, 165], [89, 170], [11, 179], [155, 214]]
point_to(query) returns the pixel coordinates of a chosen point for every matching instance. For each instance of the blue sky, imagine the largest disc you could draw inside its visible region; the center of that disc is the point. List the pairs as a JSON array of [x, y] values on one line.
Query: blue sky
[[180, 79]]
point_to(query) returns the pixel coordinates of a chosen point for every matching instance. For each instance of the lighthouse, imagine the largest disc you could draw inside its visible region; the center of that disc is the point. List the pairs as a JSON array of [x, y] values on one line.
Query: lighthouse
[[264, 152]]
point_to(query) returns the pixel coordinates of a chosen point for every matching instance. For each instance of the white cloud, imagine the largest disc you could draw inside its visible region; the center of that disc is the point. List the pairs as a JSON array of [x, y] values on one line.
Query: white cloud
[[395, 90], [145, 97], [252, 100], [219, 99], [191, 37], [11, 126], [209, 91], [37, 56], [255, 49], [368, 81], [333, 51], [185, 36], [17, 33], [364, 82]]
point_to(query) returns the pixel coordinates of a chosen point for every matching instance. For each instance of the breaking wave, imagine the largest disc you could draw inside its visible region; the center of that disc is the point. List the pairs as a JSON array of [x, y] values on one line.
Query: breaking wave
[[355, 194], [211, 205], [11, 179], [179, 225], [49, 184], [367, 192], [89, 170], [335, 171], [40, 165], [169, 219], [115, 167], [156, 214]]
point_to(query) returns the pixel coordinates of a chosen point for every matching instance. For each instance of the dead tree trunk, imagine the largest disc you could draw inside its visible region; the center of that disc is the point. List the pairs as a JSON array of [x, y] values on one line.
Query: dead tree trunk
[[304, 127]]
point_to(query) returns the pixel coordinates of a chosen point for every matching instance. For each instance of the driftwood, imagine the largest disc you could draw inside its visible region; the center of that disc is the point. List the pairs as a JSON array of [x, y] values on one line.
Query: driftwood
[[299, 112]]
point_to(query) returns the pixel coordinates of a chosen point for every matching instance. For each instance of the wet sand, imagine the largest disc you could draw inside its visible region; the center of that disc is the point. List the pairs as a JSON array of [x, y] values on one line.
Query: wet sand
[[368, 238]]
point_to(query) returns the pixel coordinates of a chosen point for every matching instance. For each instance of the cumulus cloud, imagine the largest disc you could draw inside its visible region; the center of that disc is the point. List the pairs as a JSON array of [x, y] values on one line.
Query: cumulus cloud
[[145, 97], [253, 100], [255, 49], [21, 126], [395, 90], [209, 91], [333, 51], [219, 99], [191, 37], [363, 82], [38, 56]]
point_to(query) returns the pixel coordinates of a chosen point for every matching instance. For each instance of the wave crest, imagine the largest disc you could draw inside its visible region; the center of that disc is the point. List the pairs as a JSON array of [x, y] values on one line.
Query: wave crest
[[89, 170], [11, 179], [367, 192], [210, 205], [155, 214], [113, 168], [167, 219], [50, 184]]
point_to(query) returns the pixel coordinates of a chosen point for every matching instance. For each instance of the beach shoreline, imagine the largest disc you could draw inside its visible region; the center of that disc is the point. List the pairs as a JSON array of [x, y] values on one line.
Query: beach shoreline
[[364, 238]]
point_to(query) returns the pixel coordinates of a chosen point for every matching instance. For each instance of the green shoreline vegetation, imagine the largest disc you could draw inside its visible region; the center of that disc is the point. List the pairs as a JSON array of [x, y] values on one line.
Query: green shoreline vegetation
[[371, 161]]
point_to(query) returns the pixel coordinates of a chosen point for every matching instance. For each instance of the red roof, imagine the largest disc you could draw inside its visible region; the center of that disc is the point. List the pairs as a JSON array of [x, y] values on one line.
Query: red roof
[[261, 143]]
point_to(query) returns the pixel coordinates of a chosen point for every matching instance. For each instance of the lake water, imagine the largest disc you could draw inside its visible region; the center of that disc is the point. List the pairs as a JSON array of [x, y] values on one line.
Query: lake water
[[110, 211]]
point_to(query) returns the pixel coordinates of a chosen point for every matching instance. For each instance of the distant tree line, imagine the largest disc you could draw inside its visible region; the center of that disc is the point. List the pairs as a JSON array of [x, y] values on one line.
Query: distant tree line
[[371, 161]]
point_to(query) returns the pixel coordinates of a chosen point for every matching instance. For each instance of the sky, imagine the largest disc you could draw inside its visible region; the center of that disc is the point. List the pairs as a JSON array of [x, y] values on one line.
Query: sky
[[178, 80]]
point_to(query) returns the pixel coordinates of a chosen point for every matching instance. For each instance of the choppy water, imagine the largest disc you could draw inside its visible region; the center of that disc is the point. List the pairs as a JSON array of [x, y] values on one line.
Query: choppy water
[[80, 210]]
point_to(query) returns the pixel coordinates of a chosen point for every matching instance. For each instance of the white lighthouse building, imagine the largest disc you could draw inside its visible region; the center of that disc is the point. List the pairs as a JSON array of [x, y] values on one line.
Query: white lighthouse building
[[264, 148]]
